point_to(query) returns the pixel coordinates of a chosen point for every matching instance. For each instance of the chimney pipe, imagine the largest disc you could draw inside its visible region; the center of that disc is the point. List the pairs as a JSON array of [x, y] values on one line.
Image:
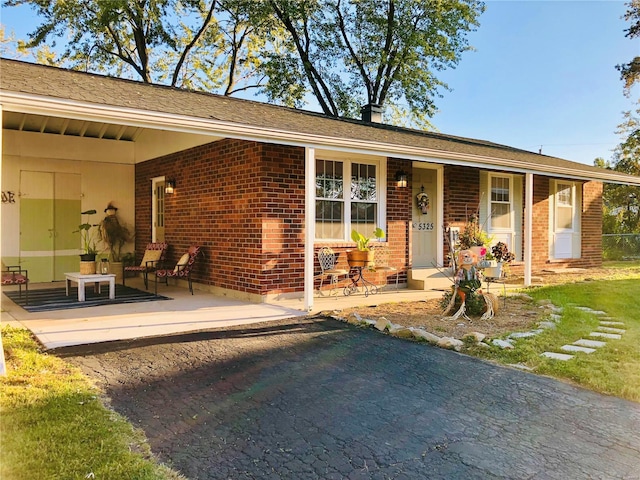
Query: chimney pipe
[[371, 113]]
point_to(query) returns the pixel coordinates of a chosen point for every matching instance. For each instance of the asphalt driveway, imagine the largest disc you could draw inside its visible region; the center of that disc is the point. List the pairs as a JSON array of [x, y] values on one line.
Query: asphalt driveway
[[319, 399]]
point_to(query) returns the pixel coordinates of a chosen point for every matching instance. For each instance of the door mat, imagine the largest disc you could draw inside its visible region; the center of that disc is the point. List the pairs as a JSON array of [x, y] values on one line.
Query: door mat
[[45, 300]]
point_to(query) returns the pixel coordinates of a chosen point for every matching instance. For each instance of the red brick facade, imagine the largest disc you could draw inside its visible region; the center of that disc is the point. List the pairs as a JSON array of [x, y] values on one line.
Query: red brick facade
[[243, 202]]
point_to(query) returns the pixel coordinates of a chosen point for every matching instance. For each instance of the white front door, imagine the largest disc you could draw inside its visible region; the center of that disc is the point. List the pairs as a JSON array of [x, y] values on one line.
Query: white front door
[[424, 225]]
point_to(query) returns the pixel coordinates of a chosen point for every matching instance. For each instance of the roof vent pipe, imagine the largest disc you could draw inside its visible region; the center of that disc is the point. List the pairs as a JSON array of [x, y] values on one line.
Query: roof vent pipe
[[371, 113]]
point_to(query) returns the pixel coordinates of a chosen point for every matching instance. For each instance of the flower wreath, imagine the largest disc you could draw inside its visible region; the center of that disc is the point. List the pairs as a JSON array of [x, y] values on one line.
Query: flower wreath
[[423, 202]]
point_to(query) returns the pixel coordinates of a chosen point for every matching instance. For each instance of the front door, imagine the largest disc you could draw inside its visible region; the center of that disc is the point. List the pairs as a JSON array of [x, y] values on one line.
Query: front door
[[49, 214], [424, 225], [157, 228]]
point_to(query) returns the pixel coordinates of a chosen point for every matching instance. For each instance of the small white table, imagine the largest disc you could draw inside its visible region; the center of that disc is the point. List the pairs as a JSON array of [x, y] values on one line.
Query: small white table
[[95, 278]]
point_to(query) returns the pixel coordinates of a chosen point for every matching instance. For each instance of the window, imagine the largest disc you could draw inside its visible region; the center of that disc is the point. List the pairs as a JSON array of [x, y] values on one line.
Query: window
[[332, 202], [500, 202], [564, 206]]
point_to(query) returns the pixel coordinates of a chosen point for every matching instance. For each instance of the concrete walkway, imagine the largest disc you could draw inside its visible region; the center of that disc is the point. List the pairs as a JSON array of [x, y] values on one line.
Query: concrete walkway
[[184, 313]]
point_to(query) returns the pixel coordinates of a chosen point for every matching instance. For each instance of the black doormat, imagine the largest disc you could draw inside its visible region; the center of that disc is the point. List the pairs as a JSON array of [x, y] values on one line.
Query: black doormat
[[44, 300]]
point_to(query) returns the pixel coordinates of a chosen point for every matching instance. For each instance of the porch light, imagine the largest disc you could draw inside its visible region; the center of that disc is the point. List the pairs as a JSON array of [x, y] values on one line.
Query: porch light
[[170, 186], [401, 179]]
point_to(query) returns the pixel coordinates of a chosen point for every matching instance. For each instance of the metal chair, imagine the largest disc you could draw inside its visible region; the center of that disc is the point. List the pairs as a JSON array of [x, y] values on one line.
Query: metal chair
[[181, 270], [381, 254], [328, 260], [16, 275], [154, 255]]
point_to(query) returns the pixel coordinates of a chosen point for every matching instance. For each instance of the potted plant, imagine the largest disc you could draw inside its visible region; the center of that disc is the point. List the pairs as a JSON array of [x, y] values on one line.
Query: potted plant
[[502, 255], [114, 235], [472, 235], [89, 251], [363, 255]]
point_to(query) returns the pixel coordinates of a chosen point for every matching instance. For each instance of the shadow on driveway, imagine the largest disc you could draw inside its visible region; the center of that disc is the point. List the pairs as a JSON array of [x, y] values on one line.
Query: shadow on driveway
[[313, 398]]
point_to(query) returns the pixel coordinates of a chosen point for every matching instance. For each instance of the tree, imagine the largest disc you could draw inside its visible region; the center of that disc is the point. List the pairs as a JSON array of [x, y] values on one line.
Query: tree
[[355, 52], [622, 202], [180, 42], [630, 72]]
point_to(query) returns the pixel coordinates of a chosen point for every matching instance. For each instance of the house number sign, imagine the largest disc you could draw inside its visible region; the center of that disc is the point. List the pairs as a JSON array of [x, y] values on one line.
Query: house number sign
[[8, 197], [425, 226]]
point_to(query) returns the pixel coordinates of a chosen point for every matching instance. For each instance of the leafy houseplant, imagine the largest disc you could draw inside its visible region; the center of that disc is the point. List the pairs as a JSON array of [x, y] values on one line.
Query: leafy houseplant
[[472, 235], [86, 237], [363, 255]]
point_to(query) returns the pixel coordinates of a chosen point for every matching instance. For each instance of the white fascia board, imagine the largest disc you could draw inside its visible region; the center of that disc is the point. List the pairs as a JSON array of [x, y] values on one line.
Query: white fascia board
[[41, 105]]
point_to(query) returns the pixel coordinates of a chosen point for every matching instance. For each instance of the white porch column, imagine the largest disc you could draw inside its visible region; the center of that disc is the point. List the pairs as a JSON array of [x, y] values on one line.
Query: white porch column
[[528, 227], [309, 224]]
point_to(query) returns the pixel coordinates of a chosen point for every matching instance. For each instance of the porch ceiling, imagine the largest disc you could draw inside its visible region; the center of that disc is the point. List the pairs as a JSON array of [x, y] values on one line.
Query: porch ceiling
[[148, 142], [24, 122]]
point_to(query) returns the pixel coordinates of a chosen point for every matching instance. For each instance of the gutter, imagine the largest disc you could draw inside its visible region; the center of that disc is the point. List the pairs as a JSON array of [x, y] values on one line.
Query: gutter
[[41, 105]]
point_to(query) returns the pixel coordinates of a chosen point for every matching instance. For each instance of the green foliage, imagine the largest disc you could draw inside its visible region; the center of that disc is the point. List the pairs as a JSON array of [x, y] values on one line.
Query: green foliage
[[353, 53], [86, 233], [472, 235], [50, 408], [474, 303], [613, 369], [362, 242], [630, 72]]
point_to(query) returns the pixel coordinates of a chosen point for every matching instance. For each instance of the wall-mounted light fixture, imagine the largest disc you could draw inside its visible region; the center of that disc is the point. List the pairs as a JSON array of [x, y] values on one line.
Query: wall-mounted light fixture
[[169, 186], [401, 179]]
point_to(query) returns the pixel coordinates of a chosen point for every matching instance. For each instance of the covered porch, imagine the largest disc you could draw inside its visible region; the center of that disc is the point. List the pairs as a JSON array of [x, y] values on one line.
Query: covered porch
[[183, 313]]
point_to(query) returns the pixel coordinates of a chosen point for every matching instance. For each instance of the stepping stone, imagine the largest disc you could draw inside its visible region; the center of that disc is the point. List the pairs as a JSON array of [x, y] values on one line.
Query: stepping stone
[[612, 324], [591, 310], [611, 330], [520, 366], [576, 348], [532, 333], [557, 356], [583, 342], [615, 336]]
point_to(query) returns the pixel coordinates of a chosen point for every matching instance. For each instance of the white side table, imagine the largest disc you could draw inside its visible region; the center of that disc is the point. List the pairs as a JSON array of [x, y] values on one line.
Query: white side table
[[95, 278]]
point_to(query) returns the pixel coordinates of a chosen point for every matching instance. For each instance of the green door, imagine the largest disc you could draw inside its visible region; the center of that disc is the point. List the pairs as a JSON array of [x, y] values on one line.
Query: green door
[[49, 213]]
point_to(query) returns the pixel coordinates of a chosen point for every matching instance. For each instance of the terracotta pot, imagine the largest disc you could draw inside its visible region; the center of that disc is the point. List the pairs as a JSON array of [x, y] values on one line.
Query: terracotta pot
[[358, 258]]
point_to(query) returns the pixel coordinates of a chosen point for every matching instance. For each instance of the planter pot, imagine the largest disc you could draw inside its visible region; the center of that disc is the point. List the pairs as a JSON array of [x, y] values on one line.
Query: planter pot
[[87, 268], [358, 258], [493, 272], [116, 267], [88, 257]]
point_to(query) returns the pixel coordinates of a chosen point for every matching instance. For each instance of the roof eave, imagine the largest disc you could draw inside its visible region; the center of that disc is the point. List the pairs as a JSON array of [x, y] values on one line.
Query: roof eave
[[45, 105]]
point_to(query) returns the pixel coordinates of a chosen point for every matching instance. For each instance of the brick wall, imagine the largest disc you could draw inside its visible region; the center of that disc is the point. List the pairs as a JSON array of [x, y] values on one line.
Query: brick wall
[[243, 202]]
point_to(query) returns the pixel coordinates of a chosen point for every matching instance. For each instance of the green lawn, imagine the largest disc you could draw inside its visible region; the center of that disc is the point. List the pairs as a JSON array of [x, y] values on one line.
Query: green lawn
[[55, 425], [613, 369]]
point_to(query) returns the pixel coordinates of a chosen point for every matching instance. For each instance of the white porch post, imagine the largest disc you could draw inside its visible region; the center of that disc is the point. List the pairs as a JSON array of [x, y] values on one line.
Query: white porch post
[[309, 223], [528, 227]]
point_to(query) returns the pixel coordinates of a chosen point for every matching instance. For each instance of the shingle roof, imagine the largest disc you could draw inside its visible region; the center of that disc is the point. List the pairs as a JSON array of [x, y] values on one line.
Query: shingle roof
[[27, 79]]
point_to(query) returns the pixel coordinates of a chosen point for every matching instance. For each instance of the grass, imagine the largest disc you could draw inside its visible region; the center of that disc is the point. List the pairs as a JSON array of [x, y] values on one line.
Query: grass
[[613, 369], [56, 426]]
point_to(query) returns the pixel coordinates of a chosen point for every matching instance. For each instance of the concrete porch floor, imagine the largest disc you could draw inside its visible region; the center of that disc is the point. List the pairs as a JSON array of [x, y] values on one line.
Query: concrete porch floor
[[184, 313]]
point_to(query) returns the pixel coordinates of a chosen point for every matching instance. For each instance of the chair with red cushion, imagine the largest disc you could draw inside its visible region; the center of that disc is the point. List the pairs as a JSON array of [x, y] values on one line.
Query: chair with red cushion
[[153, 256], [181, 270], [16, 275]]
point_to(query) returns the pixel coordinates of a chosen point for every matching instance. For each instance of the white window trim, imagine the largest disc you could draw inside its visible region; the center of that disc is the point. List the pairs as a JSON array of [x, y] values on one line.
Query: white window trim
[[381, 191], [490, 227], [556, 193]]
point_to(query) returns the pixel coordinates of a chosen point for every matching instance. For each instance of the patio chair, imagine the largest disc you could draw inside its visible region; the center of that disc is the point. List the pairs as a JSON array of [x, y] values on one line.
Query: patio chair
[[381, 255], [16, 275], [153, 256], [181, 270], [328, 260]]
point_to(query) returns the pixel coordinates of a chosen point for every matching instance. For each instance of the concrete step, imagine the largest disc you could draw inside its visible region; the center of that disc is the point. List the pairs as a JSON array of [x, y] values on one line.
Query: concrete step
[[611, 330], [583, 342], [429, 279], [557, 356], [577, 348], [615, 336]]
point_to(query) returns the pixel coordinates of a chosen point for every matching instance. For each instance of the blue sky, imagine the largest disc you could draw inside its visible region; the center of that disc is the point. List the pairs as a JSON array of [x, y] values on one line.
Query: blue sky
[[542, 76]]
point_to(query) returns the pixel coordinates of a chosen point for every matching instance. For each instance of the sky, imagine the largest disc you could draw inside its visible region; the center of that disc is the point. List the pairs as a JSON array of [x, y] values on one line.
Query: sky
[[542, 76]]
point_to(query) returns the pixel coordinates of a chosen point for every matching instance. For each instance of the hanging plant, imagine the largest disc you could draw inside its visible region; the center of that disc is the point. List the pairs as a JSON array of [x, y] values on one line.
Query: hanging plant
[[423, 202]]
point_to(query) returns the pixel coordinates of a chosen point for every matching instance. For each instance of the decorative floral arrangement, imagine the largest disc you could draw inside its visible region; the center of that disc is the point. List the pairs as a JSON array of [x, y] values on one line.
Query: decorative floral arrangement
[[501, 253], [423, 202]]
